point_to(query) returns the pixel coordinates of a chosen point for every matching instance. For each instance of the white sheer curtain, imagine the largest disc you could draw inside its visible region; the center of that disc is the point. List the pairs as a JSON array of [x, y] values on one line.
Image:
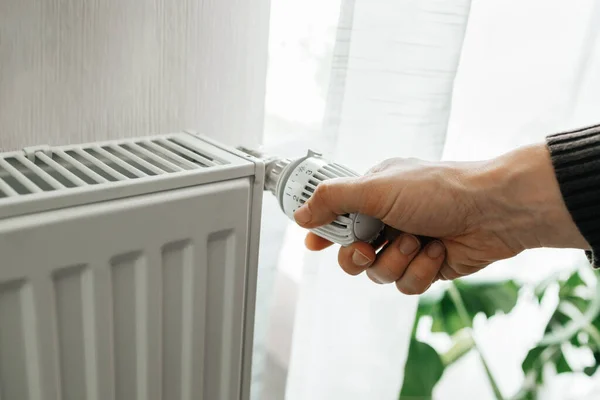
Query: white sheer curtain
[[527, 69], [398, 67], [390, 94]]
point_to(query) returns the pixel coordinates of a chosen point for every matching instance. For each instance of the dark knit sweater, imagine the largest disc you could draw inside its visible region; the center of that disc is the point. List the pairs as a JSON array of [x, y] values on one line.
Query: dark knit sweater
[[576, 158]]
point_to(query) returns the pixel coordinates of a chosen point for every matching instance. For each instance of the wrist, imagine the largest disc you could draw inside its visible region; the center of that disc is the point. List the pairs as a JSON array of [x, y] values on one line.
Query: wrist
[[521, 200]]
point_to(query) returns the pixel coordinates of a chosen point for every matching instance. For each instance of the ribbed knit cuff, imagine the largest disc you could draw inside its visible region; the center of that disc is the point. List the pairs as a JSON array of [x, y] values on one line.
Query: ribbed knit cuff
[[576, 159]]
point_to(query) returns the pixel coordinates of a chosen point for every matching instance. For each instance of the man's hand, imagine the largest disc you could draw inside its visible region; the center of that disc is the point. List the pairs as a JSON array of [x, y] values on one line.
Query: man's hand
[[479, 212]]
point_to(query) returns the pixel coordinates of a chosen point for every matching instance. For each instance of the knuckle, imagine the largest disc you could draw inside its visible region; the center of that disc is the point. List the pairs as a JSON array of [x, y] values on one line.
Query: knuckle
[[372, 193], [384, 273], [322, 190], [392, 273], [384, 165], [322, 195], [421, 277], [365, 183], [461, 269], [447, 274], [378, 167], [326, 188], [451, 271]]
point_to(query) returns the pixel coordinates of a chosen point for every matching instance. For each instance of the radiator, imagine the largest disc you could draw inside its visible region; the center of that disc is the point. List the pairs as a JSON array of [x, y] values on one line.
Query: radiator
[[128, 270]]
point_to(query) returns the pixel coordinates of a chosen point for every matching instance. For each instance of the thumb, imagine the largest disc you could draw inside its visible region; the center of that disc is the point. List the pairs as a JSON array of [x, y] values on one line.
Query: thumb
[[335, 197]]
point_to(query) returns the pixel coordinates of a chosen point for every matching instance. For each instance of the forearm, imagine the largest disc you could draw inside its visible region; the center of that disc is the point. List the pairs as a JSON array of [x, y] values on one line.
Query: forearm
[[524, 203]]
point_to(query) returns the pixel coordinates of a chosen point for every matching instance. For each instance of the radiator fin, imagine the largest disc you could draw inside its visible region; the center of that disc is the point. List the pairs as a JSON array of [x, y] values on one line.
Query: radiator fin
[[69, 293], [102, 356], [178, 287], [127, 280], [221, 267], [12, 344]]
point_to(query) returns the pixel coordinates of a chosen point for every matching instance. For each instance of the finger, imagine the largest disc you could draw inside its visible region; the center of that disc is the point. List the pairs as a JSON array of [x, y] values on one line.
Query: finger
[[316, 243], [357, 257], [448, 273], [394, 259], [423, 269], [336, 197], [454, 271]]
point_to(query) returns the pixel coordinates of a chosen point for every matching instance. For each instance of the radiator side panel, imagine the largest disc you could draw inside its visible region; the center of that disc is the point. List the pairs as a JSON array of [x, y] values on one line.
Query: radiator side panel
[[140, 298]]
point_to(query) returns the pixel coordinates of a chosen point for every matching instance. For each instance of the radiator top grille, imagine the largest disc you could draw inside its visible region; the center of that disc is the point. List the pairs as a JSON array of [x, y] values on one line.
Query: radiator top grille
[[53, 169]]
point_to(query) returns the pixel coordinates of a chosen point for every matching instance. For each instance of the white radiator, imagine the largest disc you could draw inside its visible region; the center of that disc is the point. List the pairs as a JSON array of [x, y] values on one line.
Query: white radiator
[[128, 270]]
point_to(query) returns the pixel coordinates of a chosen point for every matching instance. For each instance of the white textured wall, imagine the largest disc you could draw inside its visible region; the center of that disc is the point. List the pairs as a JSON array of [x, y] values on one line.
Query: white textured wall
[[73, 70]]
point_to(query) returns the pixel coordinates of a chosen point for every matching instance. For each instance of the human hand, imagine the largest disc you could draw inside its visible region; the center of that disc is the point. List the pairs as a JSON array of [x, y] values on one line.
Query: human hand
[[479, 212]]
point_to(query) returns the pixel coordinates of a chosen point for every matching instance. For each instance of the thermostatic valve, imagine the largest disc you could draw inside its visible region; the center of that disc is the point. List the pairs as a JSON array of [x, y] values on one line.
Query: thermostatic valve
[[295, 181]]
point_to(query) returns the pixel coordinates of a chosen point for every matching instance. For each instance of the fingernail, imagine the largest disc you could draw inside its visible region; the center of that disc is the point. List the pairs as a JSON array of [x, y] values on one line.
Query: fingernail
[[408, 244], [360, 259], [435, 250], [303, 215]]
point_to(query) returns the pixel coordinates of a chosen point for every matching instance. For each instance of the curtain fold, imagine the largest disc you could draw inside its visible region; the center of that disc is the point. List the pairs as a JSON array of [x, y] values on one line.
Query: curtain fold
[[390, 92], [527, 69], [511, 73]]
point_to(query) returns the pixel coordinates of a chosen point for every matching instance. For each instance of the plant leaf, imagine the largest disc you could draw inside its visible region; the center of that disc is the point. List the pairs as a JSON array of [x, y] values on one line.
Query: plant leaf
[[562, 365], [575, 280], [568, 287], [438, 319], [432, 309], [530, 394], [423, 370], [533, 363], [590, 371], [489, 298], [449, 314], [532, 359]]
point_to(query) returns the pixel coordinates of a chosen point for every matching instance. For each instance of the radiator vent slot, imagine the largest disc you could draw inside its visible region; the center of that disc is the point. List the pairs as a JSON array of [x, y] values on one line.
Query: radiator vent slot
[[53, 169]]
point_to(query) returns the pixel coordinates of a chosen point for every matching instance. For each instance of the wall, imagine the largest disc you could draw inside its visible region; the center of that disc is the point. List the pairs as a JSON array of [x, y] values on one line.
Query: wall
[[73, 71]]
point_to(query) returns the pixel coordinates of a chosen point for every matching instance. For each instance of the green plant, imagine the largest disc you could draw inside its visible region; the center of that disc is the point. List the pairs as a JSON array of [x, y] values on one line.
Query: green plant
[[575, 322]]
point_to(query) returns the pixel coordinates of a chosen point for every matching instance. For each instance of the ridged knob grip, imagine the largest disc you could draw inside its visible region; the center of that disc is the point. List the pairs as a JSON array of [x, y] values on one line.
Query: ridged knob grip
[[299, 180]]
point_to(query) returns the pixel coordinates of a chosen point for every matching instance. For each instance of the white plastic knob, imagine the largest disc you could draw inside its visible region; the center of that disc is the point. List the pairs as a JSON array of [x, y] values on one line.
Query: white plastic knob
[[298, 181]]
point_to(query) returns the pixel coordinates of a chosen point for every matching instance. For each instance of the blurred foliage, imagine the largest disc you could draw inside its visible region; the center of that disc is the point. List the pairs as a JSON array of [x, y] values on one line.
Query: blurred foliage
[[575, 323]]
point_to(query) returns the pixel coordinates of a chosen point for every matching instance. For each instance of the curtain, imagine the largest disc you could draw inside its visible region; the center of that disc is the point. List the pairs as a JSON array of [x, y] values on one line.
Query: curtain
[[389, 95], [427, 79], [527, 69]]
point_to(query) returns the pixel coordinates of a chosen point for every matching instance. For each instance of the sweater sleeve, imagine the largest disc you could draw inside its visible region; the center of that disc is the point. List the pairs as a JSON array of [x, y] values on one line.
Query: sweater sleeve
[[576, 159]]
